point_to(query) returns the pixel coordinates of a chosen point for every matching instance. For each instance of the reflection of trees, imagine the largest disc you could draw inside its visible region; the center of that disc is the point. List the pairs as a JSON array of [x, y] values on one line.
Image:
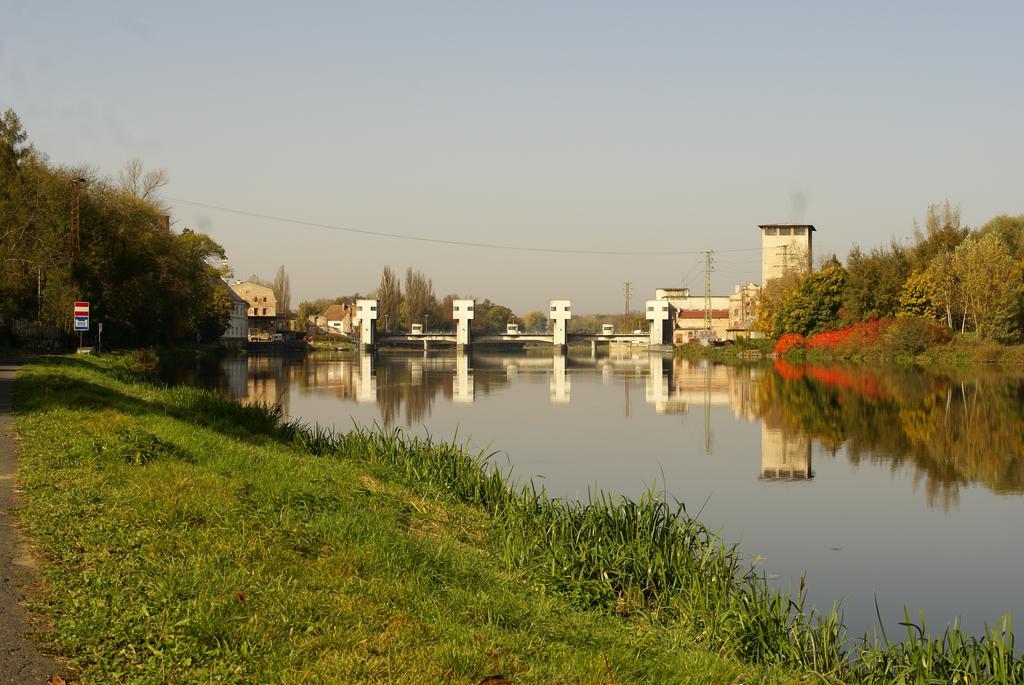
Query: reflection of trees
[[412, 395], [951, 431]]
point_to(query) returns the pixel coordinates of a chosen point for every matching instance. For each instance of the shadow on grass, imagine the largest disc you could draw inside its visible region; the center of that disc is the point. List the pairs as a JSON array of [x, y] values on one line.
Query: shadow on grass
[[65, 383]]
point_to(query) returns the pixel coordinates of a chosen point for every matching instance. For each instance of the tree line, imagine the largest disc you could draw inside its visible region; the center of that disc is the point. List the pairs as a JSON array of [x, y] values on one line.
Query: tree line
[[146, 283], [971, 280], [403, 302]]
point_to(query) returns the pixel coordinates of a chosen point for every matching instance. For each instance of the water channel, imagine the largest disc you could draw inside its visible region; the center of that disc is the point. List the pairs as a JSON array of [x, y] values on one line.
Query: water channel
[[891, 483]]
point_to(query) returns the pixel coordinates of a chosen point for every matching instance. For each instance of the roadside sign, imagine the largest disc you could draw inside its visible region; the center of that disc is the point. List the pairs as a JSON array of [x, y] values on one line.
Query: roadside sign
[[81, 316]]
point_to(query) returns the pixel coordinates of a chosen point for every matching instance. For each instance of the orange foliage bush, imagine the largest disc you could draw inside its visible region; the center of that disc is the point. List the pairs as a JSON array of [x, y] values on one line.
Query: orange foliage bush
[[790, 341]]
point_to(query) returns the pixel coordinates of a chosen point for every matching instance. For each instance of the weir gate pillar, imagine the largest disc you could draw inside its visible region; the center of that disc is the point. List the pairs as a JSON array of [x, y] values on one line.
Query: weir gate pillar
[[561, 312], [658, 315], [366, 314], [462, 312]]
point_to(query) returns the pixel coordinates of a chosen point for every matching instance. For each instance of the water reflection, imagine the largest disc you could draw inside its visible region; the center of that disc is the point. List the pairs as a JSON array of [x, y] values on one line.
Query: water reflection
[[898, 480], [951, 430]]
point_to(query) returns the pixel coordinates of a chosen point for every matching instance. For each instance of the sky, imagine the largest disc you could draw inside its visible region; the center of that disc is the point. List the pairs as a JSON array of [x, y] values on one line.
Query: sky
[[593, 126]]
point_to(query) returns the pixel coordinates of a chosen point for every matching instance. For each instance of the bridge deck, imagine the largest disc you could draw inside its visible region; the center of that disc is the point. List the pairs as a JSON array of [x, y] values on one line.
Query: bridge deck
[[522, 337]]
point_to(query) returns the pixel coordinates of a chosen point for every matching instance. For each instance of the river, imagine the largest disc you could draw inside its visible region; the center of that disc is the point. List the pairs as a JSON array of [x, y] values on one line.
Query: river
[[891, 483]]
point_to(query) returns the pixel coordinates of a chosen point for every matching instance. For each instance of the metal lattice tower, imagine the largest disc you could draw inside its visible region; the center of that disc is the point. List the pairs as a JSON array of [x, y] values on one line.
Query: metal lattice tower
[[76, 193], [708, 268], [627, 288]]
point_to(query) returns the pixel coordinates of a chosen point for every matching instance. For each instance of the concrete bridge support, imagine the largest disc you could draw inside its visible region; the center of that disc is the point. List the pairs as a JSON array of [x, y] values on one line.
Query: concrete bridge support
[[366, 385], [561, 312], [658, 383], [462, 384], [366, 314], [462, 312], [560, 386], [658, 315]]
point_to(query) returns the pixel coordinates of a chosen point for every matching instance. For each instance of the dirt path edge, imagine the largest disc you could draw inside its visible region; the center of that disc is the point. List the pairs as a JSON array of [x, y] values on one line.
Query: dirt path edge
[[21, 662]]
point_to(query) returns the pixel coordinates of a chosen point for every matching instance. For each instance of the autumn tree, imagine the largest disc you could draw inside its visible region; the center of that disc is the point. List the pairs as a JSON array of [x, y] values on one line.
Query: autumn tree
[[991, 283], [874, 282], [918, 297], [942, 232], [146, 285], [1010, 230], [535, 322]]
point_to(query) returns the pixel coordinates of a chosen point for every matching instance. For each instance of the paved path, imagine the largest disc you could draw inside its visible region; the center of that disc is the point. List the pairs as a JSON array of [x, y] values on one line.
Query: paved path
[[20, 660]]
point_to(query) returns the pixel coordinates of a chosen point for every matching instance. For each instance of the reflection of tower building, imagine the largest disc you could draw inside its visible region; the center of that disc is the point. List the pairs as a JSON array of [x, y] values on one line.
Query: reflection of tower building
[[462, 383], [560, 386], [785, 455]]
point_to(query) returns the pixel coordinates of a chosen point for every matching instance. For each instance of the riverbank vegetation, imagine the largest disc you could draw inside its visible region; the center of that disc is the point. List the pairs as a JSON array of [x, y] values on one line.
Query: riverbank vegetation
[[970, 281], [192, 538], [147, 283]]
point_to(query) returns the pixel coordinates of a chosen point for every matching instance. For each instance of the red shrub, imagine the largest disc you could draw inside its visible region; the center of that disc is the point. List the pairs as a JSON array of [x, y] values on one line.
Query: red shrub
[[790, 341], [859, 334]]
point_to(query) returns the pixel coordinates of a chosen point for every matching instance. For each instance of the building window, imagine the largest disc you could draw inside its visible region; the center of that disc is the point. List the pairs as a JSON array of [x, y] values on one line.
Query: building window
[[784, 231], [800, 230], [771, 230], [264, 311]]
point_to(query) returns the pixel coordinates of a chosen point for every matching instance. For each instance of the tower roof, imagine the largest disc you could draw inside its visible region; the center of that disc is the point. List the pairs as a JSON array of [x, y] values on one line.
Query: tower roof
[[807, 226]]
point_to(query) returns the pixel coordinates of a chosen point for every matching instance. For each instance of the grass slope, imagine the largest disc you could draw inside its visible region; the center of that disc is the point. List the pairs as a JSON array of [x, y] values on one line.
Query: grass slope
[[186, 548]]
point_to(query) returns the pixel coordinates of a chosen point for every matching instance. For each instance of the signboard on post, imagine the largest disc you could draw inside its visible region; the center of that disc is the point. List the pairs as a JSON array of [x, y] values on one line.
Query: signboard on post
[[81, 316]]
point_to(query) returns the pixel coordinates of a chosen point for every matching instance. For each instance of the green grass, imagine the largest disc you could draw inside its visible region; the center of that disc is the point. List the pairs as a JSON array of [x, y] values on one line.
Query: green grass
[[190, 539], [198, 540]]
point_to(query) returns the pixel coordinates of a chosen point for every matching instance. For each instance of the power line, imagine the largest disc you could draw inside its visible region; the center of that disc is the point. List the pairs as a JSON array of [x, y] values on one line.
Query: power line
[[442, 241]]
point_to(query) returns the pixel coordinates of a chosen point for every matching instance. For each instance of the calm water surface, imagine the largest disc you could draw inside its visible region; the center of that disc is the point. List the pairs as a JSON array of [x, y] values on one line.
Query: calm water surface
[[898, 484]]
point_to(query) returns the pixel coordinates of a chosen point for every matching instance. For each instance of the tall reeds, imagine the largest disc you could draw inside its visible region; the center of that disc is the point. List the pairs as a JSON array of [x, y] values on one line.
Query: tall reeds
[[647, 557]]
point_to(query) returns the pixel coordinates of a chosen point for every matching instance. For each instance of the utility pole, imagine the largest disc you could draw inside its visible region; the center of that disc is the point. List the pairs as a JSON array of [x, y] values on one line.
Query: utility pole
[[76, 195], [626, 288], [708, 268]]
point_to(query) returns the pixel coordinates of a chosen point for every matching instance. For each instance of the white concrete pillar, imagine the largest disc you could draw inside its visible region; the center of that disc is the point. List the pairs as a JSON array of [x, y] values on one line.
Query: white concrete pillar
[[658, 315], [366, 384], [561, 388], [462, 384], [462, 312], [366, 315], [561, 312]]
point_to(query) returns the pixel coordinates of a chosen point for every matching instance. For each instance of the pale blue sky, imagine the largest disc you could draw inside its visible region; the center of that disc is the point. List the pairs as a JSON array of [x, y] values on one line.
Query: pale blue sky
[[604, 126]]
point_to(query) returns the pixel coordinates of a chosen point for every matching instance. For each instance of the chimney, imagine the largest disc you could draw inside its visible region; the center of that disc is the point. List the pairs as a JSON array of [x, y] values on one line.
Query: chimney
[[165, 224]]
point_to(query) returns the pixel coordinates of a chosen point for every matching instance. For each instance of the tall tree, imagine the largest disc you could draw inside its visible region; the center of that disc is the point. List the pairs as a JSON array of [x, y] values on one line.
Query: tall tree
[[874, 282], [419, 295], [942, 232], [1010, 230], [282, 291], [992, 285], [389, 300]]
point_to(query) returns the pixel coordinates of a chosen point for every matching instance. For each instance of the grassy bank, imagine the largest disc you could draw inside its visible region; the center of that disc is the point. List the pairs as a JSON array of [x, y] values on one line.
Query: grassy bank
[[961, 352], [193, 539]]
